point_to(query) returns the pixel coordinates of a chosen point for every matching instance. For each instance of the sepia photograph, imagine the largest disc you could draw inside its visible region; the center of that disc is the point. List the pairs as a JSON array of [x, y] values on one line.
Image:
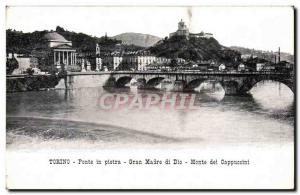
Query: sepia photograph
[[150, 97]]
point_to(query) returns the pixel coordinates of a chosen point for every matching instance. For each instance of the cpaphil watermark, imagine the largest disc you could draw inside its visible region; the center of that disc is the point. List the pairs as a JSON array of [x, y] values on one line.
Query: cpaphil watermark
[[178, 101]]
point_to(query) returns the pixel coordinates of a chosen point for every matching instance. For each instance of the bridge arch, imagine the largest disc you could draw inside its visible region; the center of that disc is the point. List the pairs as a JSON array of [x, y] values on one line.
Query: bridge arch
[[110, 82], [191, 85], [154, 81], [122, 81], [240, 83], [195, 83], [249, 84]]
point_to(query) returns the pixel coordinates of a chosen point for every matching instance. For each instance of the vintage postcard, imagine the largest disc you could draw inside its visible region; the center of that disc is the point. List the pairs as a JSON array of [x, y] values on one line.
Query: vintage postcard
[[150, 97]]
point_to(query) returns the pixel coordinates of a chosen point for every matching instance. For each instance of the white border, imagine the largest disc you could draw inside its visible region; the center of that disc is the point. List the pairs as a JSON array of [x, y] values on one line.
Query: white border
[[3, 3]]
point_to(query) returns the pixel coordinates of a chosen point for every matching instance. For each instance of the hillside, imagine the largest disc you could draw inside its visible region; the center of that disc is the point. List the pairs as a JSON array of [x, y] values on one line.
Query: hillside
[[19, 42], [194, 49], [264, 54], [139, 39]]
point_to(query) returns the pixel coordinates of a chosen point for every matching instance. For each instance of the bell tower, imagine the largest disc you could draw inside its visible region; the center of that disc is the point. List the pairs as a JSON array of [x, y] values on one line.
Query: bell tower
[[181, 25], [97, 50], [98, 59]]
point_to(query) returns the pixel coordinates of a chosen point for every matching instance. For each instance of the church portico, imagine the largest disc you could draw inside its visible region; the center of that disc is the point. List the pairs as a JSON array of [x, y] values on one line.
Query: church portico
[[56, 53], [63, 58]]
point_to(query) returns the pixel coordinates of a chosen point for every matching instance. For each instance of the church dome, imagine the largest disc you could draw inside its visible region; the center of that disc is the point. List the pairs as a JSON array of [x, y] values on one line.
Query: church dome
[[54, 36]]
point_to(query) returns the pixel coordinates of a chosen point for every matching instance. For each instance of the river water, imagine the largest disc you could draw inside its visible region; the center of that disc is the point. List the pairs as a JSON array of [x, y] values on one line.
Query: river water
[[76, 119]]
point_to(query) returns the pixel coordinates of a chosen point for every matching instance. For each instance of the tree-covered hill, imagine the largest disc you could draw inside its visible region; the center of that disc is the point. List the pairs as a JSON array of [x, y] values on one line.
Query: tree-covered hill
[[19, 42], [194, 49], [267, 55]]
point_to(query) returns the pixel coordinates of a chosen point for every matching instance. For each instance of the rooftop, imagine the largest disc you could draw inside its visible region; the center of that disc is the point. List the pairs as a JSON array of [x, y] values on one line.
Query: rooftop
[[54, 36]]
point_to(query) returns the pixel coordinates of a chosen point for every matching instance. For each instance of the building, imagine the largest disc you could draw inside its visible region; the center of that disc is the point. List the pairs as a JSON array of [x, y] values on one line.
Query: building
[[111, 62], [241, 67], [260, 66], [201, 35], [130, 62], [55, 53], [138, 60], [163, 60], [284, 66], [268, 68], [183, 31], [222, 67], [144, 60], [24, 62]]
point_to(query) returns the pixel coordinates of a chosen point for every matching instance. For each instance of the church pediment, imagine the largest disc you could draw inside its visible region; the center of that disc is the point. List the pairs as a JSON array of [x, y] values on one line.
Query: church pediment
[[63, 46]]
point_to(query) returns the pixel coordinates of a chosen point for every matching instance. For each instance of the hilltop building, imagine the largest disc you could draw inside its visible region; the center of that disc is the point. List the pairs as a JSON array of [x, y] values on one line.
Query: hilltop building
[[201, 35], [183, 31]]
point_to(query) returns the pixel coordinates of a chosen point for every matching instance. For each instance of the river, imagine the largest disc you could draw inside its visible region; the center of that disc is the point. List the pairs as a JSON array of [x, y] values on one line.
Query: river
[[76, 119]]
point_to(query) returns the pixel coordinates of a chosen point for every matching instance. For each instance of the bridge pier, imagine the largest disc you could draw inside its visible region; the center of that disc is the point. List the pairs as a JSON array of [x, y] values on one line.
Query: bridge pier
[[230, 88], [110, 82], [141, 83], [179, 85]]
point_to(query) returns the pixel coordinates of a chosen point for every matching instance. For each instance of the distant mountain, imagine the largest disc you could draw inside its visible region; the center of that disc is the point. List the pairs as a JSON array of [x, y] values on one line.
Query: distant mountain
[[139, 39], [267, 55], [195, 48]]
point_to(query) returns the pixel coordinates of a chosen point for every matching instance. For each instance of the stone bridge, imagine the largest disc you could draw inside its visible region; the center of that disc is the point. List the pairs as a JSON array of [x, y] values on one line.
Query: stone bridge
[[233, 83]]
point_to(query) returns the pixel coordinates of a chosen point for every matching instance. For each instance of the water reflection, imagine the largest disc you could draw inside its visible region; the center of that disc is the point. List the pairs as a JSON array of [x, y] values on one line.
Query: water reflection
[[273, 96], [259, 117], [211, 90]]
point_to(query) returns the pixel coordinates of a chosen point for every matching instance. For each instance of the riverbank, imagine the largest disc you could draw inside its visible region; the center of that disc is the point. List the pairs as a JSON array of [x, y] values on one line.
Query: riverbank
[[34, 132], [15, 83]]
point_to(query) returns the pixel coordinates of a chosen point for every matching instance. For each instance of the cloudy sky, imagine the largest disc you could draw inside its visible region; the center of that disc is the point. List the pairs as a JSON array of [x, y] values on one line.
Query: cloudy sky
[[264, 28]]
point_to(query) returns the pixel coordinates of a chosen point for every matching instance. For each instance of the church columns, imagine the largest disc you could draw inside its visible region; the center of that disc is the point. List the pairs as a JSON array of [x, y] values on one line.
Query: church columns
[[59, 58], [64, 58], [67, 58], [54, 58], [72, 58]]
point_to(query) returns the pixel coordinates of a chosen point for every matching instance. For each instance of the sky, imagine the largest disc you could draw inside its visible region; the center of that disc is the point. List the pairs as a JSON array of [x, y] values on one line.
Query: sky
[[265, 28]]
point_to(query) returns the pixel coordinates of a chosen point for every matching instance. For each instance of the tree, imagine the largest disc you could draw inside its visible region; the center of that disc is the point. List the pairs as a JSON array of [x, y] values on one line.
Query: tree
[[11, 65], [60, 29], [173, 63], [29, 71]]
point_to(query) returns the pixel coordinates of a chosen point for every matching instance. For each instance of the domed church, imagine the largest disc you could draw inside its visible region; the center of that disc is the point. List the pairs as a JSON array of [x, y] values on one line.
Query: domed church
[[59, 53]]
